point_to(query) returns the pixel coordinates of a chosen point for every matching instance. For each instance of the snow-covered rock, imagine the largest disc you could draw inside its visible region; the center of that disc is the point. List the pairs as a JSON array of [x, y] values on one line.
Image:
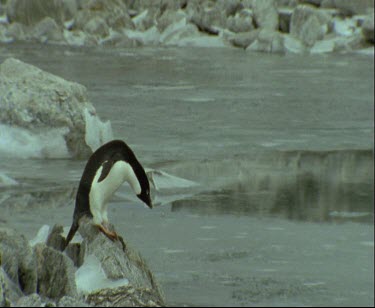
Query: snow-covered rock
[[349, 7], [265, 14], [267, 41], [43, 115], [110, 274], [309, 24]]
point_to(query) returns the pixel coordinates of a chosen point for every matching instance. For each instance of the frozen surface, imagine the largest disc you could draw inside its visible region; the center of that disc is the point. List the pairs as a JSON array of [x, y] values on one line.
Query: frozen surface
[[228, 133]]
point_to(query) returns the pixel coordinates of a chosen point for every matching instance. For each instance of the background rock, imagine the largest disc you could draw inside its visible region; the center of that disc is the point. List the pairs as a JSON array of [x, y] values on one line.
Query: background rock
[[133, 23], [30, 12], [349, 7], [309, 24], [368, 28], [47, 30], [36, 101], [18, 261], [265, 14], [242, 21], [268, 41]]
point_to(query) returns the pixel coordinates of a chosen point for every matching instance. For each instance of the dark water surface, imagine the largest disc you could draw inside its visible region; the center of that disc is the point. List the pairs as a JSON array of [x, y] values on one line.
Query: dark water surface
[[282, 150]]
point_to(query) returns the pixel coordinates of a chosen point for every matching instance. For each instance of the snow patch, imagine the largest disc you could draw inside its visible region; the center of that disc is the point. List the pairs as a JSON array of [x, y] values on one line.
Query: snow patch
[[23, 143], [6, 180], [91, 277], [162, 180], [41, 236], [97, 132]]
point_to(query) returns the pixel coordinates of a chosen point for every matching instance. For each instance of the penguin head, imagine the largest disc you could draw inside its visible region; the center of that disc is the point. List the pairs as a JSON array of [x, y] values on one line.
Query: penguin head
[[145, 196], [144, 185], [139, 183]]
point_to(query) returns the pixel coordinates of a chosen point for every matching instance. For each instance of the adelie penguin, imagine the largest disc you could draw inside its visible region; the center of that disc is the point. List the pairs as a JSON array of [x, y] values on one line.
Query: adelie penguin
[[106, 170]]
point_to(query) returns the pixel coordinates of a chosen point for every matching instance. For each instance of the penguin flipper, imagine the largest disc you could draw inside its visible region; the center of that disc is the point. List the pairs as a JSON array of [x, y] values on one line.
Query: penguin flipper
[[107, 165]]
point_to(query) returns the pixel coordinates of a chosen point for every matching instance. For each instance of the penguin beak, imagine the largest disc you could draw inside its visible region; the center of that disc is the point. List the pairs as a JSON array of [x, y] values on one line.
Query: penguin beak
[[146, 198]]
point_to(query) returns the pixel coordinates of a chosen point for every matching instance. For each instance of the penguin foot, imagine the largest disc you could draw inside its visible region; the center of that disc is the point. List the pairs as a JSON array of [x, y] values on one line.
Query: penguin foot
[[113, 236]]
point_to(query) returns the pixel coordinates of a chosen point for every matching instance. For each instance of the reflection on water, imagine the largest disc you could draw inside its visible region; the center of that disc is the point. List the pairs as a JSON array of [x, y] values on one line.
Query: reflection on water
[[301, 185]]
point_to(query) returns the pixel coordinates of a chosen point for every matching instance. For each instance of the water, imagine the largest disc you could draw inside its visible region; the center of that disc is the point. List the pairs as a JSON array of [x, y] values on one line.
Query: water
[[282, 150]]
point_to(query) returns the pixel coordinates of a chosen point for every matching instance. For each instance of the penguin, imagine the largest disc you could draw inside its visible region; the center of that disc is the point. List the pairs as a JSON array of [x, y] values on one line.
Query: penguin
[[106, 170]]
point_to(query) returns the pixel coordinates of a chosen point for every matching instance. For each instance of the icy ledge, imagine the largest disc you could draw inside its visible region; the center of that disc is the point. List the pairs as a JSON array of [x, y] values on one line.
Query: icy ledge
[[45, 116], [93, 271]]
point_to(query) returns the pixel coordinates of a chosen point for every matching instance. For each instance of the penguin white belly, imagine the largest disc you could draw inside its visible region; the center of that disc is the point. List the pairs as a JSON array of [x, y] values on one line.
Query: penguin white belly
[[102, 191]]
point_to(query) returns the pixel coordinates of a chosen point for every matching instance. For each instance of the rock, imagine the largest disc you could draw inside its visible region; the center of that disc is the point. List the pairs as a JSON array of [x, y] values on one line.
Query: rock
[[30, 12], [128, 280], [17, 31], [55, 273], [168, 18], [265, 14], [4, 301], [42, 105], [18, 260], [268, 41], [117, 263], [349, 7], [243, 39], [114, 13], [97, 26], [207, 16], [120, 40], [33, 300], [55, 239], [316, 3], [285, 15], [4, 35], [47, 30], [368, 28], [323, 46], [126, 296], [9, 291], [293, 45], [144, 20], [348, 43], [309, 24], [344, 27], [68, 301], [242, 21]]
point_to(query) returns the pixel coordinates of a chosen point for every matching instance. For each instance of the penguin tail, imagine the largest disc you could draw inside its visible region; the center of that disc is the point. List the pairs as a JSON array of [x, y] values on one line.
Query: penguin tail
[[72, 232]]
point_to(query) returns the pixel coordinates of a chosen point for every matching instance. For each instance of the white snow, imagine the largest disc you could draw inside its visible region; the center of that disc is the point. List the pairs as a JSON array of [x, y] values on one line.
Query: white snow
[[41, 236], [162, 180], [6, 180], [22, 143], [91, 277], [97, 132]]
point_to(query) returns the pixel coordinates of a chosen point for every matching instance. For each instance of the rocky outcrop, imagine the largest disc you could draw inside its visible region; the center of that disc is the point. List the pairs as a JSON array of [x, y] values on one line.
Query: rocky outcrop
[[309, 24], [192, 22], [18, 261], [33, 102], [368, 28], [108, 274]]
